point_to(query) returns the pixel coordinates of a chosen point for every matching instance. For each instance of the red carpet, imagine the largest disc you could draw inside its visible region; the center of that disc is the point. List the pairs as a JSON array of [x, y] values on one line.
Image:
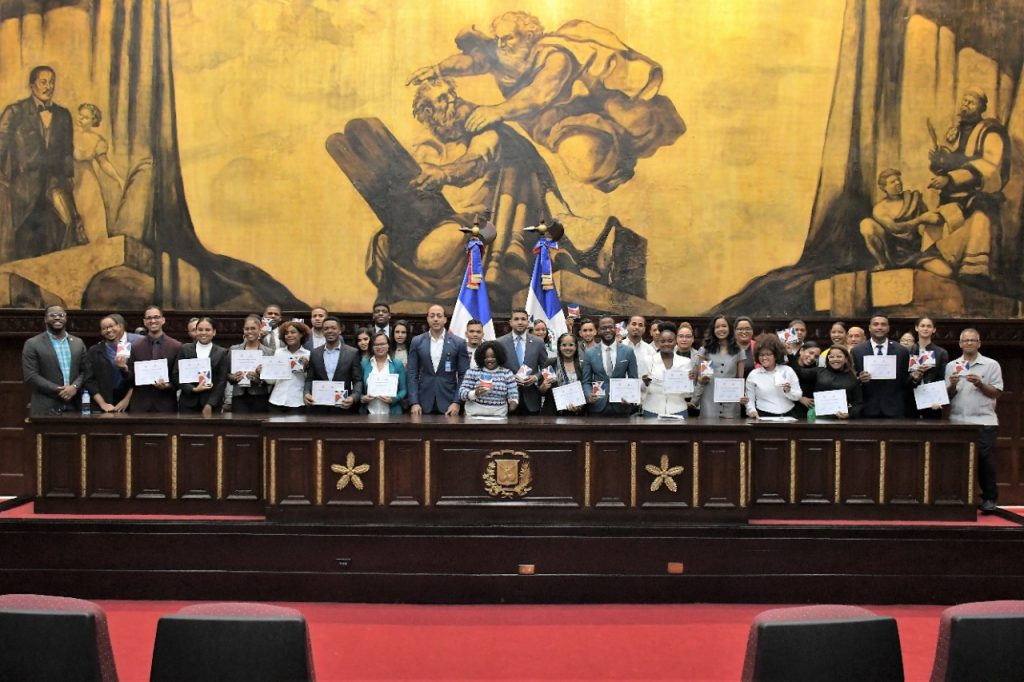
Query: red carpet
[[599, 642]]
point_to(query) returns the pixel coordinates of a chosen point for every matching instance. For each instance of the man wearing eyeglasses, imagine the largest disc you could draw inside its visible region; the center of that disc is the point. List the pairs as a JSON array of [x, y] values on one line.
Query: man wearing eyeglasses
[[155, 345], [974, 384], [54, 365]]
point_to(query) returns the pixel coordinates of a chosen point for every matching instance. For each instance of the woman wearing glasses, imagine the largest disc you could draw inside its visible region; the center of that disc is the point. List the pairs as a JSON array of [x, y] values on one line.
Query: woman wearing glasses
[[375, 368]]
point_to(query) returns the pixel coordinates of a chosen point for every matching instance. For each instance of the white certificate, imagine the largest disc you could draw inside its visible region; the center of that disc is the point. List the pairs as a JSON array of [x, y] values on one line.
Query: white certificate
[[678, 381], [148, 372], [192, 370], [569, 395], [880, 366], [729, 390], [624, 389], [245, 360], [830, 402], [329, 392], [934, 393], [276, 368], [382, 385]]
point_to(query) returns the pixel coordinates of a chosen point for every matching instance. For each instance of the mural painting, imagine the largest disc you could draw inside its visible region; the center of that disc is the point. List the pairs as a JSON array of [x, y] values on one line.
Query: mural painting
[[221, 155]]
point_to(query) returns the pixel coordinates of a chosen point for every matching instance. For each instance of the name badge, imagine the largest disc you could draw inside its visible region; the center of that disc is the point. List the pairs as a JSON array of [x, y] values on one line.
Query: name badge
[[447, 365]]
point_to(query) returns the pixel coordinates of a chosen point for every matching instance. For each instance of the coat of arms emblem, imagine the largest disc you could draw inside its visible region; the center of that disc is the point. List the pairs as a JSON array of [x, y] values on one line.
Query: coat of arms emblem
[[508, 474]]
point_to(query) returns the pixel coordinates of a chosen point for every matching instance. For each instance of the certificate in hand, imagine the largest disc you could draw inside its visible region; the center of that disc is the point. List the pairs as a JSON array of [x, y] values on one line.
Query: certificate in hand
[[830, 402], [569, 395], [276, 367], [148, 372], [928, 395], [189, 370], [729, 390], [880, 366], [678, 381], [329, 392], [245, 360], [382, 385], [624, 389]]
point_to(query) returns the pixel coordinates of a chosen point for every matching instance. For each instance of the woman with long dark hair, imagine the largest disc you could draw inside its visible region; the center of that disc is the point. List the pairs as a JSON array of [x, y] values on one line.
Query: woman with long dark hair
[[564, 368], [726, 362]]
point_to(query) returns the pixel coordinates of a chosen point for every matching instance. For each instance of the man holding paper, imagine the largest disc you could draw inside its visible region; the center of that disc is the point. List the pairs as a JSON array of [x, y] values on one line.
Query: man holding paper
[[525, 354], [975, 383], [883, 368], [336, 363], [608, 360], [151, 363]]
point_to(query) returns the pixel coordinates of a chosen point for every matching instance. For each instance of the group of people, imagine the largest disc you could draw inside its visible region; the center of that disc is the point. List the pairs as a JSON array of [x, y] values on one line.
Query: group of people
[[728, 374]]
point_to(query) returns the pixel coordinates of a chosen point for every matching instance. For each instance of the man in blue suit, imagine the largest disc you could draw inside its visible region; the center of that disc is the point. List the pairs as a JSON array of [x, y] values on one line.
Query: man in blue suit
[[437, 362], [608, 359], [522, 348]]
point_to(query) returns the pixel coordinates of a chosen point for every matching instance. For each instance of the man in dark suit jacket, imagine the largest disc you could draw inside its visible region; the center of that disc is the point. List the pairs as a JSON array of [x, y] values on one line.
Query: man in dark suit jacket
[[882, 397], [54, 383], [623, 361], [155, 345], [534, 355], [437, 363], [347, 368], [37, 168]]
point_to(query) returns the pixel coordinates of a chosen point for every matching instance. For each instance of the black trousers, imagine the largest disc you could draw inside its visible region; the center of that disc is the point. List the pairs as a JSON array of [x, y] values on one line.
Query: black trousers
[[987, 462]]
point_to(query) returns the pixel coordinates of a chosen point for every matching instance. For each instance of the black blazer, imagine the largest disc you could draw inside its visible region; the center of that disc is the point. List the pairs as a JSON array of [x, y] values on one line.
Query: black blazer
[[349, 370], [884, 398], [99, 374], [189, 400]]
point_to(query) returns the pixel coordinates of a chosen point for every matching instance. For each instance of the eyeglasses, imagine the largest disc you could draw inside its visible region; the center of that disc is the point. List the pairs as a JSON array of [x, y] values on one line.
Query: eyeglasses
[[970, 340], [57, 316], [380, 345], [153, 317]]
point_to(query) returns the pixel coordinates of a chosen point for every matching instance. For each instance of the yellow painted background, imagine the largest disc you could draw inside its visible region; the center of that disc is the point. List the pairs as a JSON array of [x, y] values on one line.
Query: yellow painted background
[[260, 84]]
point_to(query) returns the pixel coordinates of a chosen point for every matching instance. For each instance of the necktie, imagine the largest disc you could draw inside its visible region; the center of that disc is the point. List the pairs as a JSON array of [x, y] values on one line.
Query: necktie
[[519, 350], [609, 363], [878, 350]]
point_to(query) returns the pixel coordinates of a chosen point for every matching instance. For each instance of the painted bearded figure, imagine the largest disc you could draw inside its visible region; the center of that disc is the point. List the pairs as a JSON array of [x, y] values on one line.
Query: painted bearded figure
[[579, 91]]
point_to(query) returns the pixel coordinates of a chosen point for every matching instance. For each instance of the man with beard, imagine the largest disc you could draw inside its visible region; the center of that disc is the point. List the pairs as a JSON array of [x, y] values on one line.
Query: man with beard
[[54, 366], [494, 171], [970, 176], [579, 91]]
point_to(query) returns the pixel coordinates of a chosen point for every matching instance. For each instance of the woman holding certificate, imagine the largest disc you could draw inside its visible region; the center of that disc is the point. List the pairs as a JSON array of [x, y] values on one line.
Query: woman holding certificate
[[720, 359], [929, 365], [201, 372], [773, 388], [249, 394], [565, 369], [489, 389], [286, 396], [838, 374], [667, 385], [384, 378]]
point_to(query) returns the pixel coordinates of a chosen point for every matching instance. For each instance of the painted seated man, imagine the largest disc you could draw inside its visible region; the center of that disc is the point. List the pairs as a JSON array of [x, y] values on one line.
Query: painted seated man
[[900, 224]]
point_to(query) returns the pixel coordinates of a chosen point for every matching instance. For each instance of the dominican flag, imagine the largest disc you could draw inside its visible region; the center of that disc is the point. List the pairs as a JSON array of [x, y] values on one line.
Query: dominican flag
[[472, 302], [542, 302]]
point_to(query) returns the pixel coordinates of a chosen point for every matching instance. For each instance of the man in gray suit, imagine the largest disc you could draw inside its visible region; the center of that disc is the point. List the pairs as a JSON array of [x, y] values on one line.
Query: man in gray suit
[[524, 350], [608, 359], [54, 366]]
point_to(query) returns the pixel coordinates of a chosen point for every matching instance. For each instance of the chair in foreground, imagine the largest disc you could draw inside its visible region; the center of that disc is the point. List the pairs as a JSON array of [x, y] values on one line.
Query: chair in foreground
[[826, 642], [45, 638], [980, 641], [232, 641]]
